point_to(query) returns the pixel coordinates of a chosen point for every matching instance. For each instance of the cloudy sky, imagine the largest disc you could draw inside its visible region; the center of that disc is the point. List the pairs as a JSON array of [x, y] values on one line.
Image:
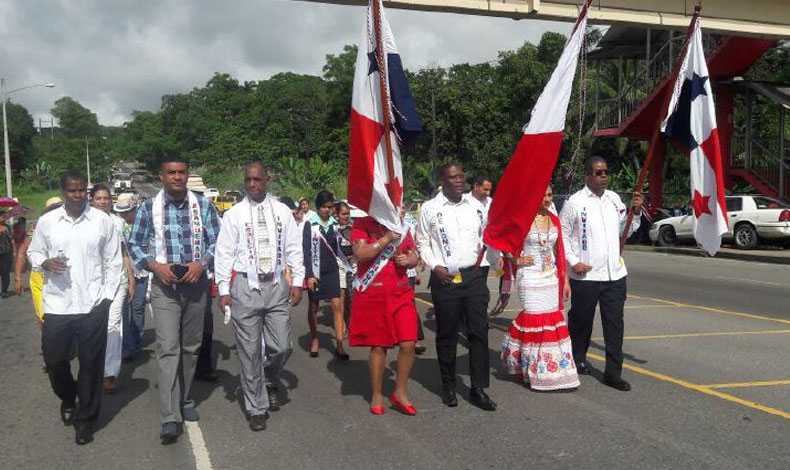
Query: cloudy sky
[[121, 55]]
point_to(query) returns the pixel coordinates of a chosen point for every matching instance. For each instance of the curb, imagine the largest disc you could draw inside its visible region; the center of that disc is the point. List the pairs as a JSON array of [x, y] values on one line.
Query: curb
[[742, 256]]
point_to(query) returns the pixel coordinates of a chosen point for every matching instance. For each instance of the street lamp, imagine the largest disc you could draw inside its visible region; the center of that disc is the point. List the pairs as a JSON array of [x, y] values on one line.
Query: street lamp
[[5, 129]]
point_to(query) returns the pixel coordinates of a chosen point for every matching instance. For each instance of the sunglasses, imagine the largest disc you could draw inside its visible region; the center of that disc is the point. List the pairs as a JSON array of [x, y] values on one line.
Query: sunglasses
[[600, 172]]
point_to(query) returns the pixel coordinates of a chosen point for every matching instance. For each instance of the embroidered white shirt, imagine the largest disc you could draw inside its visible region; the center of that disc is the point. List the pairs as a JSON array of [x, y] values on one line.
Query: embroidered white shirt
[[591, 228], [463, 223], [231, 252], [92, 245]]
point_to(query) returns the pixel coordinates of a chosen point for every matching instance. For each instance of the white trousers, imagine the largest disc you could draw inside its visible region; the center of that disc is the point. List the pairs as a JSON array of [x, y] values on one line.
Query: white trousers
[[112, 357]]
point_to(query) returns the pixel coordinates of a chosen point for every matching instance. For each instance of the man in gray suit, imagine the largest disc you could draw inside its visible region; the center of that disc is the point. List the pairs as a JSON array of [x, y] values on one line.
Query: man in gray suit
[[259, 240]]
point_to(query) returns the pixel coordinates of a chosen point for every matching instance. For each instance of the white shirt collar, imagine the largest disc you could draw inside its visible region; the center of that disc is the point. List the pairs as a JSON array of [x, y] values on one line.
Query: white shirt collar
[[63, 215], [442, 200]]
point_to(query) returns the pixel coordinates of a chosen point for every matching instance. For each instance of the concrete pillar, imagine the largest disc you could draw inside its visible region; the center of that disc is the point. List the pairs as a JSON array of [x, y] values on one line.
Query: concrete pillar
[[725, 105]]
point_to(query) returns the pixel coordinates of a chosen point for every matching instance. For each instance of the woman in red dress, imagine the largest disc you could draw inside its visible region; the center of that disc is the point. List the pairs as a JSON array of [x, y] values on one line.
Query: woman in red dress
[[383, 314]]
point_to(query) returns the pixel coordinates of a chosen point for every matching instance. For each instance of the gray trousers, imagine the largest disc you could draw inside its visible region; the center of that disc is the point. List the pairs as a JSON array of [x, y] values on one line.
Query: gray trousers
[[178, 317], [260, 314]]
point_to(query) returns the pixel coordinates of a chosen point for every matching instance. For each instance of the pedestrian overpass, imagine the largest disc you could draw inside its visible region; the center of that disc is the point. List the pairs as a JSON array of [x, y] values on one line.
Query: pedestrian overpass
[[762, 18]]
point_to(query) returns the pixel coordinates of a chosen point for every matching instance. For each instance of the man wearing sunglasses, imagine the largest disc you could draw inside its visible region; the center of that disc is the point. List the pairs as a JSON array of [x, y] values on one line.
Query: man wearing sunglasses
[[592, 220]]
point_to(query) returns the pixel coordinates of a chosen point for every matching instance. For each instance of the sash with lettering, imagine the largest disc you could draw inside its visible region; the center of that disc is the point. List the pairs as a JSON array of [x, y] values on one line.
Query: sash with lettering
[[252, 251], [195, 224], [365, 280]]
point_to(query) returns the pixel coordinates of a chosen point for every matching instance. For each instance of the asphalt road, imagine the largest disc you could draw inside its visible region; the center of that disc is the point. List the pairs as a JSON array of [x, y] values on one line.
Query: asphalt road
[[706, 355]]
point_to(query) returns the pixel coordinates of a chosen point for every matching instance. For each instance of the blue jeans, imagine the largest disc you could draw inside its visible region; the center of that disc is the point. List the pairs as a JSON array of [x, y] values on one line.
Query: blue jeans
[[132, 341]]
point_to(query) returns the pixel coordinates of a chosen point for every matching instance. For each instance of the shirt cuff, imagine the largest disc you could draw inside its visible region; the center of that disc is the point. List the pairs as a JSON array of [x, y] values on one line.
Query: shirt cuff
[[298, 281], [36, 260], [145, 263], [223, 287]]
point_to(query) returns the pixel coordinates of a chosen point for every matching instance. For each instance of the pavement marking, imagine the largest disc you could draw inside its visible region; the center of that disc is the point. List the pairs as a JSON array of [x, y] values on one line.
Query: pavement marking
[[707, 390], [712, 310], [199, 450], [753, 281], [769, 383], [652, 306], [700, 335]]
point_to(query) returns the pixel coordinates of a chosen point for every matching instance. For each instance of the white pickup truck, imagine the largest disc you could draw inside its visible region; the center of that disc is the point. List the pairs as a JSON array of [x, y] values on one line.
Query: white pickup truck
[[750, 219]]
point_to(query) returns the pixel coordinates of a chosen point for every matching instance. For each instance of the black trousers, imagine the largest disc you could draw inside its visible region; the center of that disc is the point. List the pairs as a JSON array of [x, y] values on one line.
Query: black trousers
[[610, 295], [6, 260], [462, 305], [204, 365], [89, 332]]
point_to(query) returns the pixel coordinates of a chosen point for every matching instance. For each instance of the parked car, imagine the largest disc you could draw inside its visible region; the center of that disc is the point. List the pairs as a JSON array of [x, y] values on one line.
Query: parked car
[[211, 192], [237, 195], [223, 203], [750, 219]]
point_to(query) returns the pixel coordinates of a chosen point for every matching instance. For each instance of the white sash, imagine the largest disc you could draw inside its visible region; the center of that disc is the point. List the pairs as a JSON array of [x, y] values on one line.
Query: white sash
[[449, 260], [195, 224], [411, 222], [315, 251], [363, 282], [252, 251]]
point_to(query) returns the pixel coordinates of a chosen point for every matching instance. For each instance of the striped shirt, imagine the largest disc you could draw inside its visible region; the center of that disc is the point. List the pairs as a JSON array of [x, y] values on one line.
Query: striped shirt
[[177, 232]]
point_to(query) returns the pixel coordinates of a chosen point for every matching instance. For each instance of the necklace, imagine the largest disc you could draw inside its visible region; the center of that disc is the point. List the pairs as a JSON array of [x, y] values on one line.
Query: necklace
[[544, 248]]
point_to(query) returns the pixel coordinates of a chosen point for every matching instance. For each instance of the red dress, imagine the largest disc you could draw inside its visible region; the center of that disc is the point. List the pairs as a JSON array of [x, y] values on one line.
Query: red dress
[[384, 314]]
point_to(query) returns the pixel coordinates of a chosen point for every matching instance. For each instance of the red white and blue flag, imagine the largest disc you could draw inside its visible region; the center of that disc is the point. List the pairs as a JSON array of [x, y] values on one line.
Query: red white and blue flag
[[368, 180], [691, 123], [524, 182]]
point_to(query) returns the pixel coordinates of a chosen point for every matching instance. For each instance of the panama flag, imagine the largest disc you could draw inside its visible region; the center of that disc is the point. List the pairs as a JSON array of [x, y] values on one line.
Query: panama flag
[[521, 188], [368, 180], [691, 123]]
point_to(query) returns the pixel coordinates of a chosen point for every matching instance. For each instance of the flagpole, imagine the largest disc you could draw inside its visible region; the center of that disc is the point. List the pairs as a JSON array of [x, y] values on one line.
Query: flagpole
[[662, 114], [381, 59]]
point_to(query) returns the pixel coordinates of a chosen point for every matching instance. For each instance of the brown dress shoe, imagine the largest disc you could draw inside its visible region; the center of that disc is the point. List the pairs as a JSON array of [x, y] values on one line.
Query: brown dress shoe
[[258, 422], [109, 384], [274, 398]]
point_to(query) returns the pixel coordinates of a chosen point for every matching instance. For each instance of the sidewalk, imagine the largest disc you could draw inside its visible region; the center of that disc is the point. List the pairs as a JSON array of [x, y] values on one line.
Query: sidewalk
[[763, 256]]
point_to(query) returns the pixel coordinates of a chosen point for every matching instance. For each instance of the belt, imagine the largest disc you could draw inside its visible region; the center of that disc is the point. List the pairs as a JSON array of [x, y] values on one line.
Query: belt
[[261, 277], [381, 284]]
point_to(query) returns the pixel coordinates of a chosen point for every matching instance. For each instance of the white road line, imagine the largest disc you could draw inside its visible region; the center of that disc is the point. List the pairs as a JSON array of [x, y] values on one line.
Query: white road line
[[753, 281], [199, 450]]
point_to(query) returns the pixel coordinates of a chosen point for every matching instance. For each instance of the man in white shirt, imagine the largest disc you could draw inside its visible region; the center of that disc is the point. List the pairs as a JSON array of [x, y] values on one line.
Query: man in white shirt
[[449, 239], [481, 191], [259, 240], [78, 249], [592, 220]]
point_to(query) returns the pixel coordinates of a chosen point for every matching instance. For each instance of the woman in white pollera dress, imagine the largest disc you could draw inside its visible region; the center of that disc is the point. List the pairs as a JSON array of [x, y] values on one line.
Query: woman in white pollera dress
[[537, 347]]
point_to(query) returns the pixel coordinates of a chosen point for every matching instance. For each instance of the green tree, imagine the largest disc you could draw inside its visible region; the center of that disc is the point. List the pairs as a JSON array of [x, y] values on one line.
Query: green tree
[[74, 120], [21, 132]]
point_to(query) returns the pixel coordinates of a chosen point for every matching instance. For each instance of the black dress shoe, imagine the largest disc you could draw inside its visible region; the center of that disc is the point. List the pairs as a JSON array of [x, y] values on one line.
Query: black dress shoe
[[419, 350], [169, 434], [83, 434], [258, 422], [274, 399], [210, 376], [67, 413], [582, 368], [478, 397], [449, 398], [617, 383]]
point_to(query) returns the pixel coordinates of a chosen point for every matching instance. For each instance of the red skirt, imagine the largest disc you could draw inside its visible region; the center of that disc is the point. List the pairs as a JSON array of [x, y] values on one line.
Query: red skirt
[[383, 315]]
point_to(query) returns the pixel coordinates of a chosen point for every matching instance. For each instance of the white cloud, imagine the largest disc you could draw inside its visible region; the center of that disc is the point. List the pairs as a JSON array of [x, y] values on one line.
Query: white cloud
[[115, 57]]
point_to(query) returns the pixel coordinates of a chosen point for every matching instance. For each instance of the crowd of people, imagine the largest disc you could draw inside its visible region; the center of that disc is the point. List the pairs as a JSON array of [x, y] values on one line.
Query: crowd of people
[[95, 265]]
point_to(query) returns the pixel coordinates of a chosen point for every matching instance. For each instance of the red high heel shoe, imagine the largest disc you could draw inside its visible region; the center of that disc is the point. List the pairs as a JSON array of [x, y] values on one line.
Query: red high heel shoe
[[377, 410], [402, 407]]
